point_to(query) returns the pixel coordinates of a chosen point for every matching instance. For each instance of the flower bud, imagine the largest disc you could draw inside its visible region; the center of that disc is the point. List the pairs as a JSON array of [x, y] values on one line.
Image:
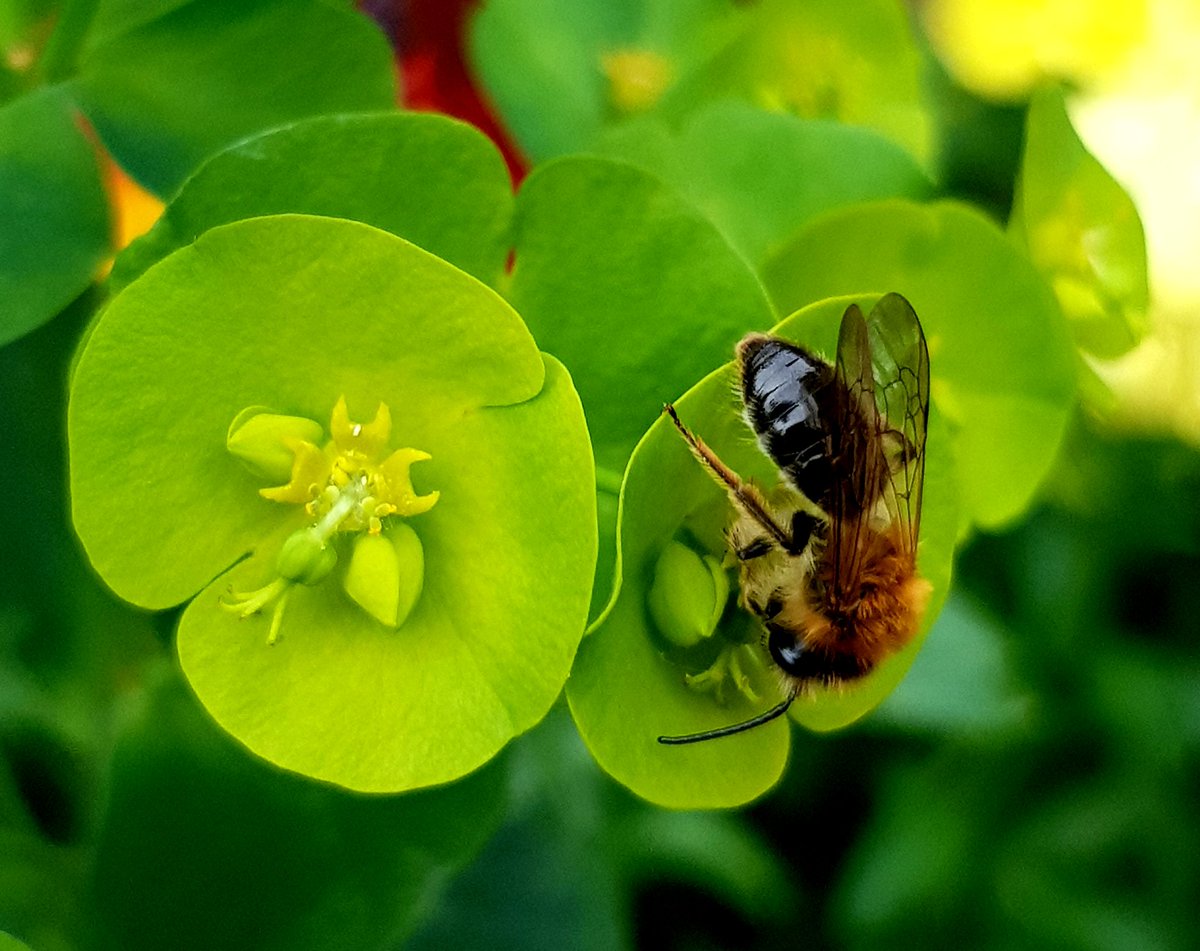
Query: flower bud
[[263, 441], [305, 558], [688, 594], [386, 574]]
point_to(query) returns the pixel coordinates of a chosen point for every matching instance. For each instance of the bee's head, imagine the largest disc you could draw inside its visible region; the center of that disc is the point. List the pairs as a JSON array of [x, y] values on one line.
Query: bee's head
[[813, 662]]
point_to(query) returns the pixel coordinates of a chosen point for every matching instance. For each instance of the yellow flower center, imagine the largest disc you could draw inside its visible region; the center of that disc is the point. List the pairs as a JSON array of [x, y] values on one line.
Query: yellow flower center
[[352, 465], [350, 483]]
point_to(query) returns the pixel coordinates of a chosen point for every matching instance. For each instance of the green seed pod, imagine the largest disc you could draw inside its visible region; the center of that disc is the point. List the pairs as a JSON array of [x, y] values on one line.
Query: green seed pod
[[305, 558], [263, 441], [386, 574], [688, 594]]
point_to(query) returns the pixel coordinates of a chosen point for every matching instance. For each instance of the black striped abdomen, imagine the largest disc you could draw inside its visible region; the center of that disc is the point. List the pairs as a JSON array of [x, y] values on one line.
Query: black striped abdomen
[[789, 404]]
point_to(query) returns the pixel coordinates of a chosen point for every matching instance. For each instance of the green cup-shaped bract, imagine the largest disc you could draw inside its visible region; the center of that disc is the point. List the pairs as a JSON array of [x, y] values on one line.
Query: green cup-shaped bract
[[1082, 231], [295, 312], [855, 61], [436, 182], [626, 689], [737, 163], [1004, 367]]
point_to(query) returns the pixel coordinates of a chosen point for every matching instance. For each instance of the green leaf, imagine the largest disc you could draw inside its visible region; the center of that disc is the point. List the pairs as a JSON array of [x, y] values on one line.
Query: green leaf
[[9, 943], [201, 846], [962, 684], [114, 17], [719, 853], [544, 63], [1003, 363], [628, 686], [562, 75], [25, 26], [627, 284], [546, 879], [759, 175], [855, 61], [440, 184], [175, 89], [266, 312], [1082, 231], [55, 234]]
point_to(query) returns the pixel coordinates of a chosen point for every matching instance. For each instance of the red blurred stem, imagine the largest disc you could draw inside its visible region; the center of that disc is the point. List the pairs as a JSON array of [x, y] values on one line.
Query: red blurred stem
[[429, 38]]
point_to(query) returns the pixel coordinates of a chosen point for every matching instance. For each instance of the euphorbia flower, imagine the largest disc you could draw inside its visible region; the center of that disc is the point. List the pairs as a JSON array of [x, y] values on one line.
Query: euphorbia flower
[[340, 450], [348, 485]]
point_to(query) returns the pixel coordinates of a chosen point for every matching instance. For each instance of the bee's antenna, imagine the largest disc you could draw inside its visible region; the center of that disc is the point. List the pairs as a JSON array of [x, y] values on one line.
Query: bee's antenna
[[776, 711]]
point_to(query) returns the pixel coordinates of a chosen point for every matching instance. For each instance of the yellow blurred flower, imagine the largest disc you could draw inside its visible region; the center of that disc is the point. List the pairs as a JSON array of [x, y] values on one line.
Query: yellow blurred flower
[[1003, 48]]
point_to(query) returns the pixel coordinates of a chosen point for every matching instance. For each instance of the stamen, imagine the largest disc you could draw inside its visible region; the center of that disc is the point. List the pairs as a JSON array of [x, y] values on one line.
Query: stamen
[[277, 617], [244, 604], [346, 500]]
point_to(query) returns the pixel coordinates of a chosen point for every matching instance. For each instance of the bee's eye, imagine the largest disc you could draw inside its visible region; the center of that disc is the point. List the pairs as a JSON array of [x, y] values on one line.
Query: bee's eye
[[786, 649], [814, 663]]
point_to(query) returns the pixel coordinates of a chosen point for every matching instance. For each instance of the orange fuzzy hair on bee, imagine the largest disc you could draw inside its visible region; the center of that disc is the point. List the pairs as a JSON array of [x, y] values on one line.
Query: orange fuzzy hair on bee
[[870, 615]]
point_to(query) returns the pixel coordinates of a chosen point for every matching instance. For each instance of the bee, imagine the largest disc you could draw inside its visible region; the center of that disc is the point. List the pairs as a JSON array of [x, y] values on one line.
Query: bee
[[828, 563]]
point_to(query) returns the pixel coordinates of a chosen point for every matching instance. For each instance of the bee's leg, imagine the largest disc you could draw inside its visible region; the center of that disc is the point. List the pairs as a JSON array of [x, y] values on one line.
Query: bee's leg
[[755, 548], [770, 609], [803, 525], [744, 495]]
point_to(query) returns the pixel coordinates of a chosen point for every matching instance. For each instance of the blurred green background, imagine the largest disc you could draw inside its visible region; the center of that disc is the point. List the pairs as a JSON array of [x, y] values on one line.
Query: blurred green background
[[1033, 783]]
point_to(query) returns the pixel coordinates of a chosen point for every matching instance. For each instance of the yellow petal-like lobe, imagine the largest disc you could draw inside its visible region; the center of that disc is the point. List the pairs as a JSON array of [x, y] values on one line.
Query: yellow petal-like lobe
[[370, 439], [339, 421], [310, 467], [397, 488]]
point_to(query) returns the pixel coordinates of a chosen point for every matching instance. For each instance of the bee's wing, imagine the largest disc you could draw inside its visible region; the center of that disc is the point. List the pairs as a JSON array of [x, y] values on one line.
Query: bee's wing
[[883, 369]]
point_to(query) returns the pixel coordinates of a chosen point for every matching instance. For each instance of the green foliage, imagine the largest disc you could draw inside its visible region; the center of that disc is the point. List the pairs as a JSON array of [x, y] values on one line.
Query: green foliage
[[192, 828], [55, 232], [573, 861], [438, 183], [1003, 364], [332, 426], [143, 87], [668, 497], [561, 77], [243, 317], [164, 85], [1082, 232]]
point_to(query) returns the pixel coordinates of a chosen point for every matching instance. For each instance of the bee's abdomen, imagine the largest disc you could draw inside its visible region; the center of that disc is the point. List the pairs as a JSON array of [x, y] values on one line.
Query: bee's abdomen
[[787, 396]]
